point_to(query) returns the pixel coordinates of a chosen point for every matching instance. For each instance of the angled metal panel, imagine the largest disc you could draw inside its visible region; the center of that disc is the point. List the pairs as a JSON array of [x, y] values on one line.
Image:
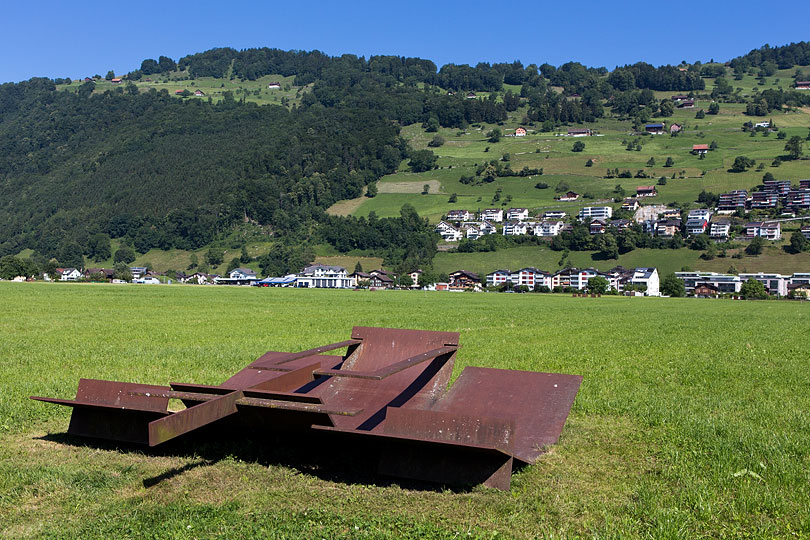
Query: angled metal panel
[[538, 403], [192, 418]]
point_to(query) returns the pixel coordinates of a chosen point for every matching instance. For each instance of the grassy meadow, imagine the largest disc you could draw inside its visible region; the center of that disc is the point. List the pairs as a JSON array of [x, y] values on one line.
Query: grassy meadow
[[692, 420]]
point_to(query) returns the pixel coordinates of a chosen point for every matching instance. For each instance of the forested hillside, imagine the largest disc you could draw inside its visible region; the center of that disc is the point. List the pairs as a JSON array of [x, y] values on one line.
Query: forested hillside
[[170, 173], [83, 162]]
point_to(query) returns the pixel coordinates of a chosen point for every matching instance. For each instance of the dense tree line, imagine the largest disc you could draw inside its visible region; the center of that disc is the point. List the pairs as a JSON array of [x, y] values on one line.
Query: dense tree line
[[312, 66], [644, 76], [406, 242], [783, 57]]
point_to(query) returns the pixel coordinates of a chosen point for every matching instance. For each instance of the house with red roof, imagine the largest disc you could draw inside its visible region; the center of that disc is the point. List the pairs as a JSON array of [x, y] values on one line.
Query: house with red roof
[[700, 148]]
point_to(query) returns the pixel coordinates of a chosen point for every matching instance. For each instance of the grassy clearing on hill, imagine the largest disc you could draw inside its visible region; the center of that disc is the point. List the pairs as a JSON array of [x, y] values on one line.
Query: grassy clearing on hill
[[252, 91], [691, 421]]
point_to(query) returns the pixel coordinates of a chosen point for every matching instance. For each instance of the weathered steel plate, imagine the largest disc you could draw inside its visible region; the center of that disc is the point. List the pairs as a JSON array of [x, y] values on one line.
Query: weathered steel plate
[[389, 389]]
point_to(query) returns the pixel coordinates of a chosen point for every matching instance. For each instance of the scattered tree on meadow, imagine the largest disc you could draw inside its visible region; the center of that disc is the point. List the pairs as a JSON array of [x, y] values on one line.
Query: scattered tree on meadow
[[741, 163], [755, 246], [597, 285], [124, 254], [794, 147], [422, 160], [214, 256], [798, 242], [436, 141], [753, 290], [671, 285]]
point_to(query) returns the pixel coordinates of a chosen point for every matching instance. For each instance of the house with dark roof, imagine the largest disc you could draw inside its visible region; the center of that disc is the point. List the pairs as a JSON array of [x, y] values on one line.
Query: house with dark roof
[[106, 272], [570, 196], [380, 279], [464, 280], [579, 132], [654, 129], [597, 226], [706, 290], [498, 277]]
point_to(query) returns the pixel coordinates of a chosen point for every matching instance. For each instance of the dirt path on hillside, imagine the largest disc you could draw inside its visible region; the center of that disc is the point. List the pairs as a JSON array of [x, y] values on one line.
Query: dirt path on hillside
[[346, 207]]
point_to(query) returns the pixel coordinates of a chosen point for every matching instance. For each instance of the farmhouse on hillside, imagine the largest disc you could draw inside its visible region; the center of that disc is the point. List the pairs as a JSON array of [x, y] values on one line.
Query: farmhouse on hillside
[[520, 132], [654, 129], [700, 149], [570, 196], [802, 85], [580, 132], [274, 85]]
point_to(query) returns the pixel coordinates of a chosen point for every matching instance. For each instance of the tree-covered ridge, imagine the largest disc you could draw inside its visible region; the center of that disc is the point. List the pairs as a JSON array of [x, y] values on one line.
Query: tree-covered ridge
[[168, 173], [783, 57], [344, 70]]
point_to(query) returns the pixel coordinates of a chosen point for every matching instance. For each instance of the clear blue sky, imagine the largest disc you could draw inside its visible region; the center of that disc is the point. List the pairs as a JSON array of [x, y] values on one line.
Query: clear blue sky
[[71, 39]]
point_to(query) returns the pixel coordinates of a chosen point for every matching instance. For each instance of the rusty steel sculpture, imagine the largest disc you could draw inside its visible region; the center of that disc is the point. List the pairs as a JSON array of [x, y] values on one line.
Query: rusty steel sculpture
[[390, 389]]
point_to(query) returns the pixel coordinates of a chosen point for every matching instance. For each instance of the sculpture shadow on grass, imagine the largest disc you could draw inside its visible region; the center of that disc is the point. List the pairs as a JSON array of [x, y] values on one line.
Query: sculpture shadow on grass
[[324, 456]]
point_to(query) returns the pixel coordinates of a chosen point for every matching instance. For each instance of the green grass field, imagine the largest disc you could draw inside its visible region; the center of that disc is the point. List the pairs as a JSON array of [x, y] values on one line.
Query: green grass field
[[691, 422]]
